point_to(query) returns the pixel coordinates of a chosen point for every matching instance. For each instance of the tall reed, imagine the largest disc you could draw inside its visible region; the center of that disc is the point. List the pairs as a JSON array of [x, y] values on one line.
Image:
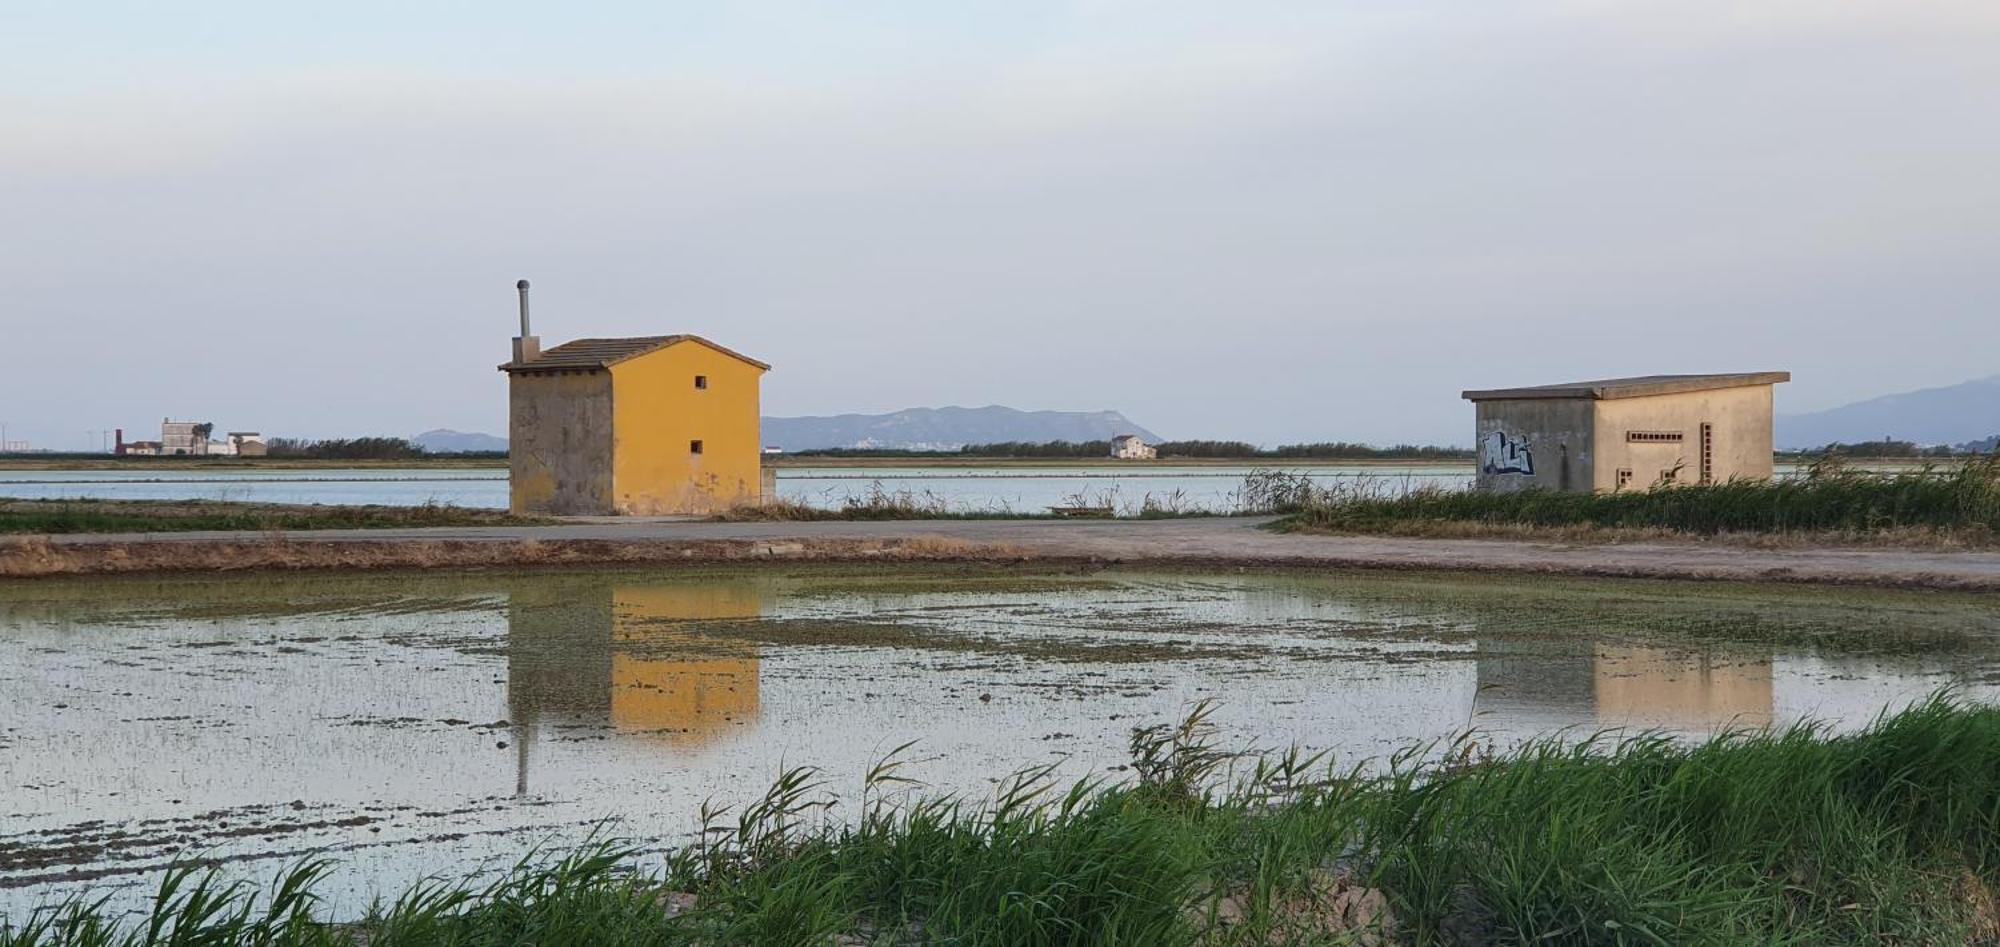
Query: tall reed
[[1798, 836], [1827, 497]]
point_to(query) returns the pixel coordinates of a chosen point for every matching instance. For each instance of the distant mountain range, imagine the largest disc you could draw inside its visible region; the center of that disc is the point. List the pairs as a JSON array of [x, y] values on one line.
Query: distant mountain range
[[442, 441], [946, 428], [1955, 414], [909, 429]]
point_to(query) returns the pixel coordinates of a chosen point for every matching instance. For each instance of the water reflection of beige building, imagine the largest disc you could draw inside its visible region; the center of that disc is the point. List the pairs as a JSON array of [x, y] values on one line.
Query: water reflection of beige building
[[1546, 685], [1666, 688], [625, 658]]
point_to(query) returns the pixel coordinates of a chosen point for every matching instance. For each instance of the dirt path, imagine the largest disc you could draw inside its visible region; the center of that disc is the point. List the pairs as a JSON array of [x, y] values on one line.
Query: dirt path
[[1228, 542]]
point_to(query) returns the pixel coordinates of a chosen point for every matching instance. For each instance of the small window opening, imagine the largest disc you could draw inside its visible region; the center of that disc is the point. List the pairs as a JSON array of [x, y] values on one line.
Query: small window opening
[[1624, 477], [701, 381], [694, 447], [1652, 437], [1670, 476]]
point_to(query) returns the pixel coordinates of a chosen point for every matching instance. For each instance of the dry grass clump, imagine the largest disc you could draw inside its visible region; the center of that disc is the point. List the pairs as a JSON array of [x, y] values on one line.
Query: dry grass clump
[[879, 503], [38, 556], [876, 503], [152, 516]]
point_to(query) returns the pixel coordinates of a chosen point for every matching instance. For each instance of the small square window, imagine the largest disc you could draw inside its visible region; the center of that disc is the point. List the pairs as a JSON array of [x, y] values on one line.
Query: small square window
[[1624, 477], [694, 447], [701, 381]]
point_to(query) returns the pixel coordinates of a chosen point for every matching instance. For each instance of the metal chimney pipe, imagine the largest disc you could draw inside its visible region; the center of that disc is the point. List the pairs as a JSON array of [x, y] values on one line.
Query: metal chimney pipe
[[523, 287]]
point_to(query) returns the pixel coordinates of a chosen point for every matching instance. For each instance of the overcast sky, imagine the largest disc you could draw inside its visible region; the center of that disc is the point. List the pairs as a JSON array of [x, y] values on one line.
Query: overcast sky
[[1275, 221]]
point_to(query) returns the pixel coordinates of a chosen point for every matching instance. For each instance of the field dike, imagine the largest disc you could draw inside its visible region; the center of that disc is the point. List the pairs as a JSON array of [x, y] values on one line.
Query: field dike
[[1051, 544]]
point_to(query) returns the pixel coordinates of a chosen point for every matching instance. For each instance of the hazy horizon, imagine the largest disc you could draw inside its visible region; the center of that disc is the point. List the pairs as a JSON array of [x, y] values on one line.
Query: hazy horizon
[[1278, 222]]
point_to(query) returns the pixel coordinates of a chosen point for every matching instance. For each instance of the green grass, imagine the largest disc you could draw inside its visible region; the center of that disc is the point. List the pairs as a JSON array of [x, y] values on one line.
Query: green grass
[[1827, 498], [1795, 836], [878, 503], [150, 516]]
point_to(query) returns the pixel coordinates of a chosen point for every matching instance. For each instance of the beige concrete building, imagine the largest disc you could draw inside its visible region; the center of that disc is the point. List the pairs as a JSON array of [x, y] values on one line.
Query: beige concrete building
[[1626, 433]]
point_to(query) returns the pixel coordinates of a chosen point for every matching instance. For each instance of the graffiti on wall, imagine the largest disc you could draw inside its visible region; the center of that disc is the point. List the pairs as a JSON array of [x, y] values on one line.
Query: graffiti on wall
[[1500, 454]]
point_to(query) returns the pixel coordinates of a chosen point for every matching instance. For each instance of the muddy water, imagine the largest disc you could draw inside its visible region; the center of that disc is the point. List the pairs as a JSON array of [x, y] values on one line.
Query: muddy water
[[420, 725]]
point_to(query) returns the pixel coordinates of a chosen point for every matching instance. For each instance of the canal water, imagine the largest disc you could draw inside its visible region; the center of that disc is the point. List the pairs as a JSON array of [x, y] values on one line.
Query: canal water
[[1016, 489], [437, 724], [1019, 489]]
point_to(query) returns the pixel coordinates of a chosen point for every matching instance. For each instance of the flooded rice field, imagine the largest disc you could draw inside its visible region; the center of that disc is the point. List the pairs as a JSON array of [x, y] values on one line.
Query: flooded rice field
[[438, 724]]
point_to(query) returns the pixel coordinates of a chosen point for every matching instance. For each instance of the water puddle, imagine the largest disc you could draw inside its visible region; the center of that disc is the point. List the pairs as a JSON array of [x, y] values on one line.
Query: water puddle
[[432, 725]]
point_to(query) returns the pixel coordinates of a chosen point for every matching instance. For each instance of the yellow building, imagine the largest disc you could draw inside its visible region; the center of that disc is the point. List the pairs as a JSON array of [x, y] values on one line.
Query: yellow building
[[645, 426]]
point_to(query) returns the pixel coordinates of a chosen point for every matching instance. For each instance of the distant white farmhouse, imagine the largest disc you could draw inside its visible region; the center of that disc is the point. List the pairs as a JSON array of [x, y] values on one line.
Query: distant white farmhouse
[[247, 444], [1130, 447], [185, 438], [191, 439]]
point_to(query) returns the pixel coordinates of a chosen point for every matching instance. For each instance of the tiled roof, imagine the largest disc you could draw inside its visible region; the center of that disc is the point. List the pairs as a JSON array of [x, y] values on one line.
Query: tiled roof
[[1637, 387], [599, 354]]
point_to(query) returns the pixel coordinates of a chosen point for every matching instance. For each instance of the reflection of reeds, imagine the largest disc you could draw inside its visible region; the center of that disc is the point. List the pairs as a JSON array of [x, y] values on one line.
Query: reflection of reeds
[[1888, 835]]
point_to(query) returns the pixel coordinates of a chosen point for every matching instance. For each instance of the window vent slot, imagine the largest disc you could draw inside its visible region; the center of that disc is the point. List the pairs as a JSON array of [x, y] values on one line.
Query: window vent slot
[[1707, 452]]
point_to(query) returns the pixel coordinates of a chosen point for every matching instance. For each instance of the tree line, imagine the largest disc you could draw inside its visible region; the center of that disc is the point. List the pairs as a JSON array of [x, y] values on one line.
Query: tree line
[[1193, 449], [345, 448], [397, 448], [1893, 449]]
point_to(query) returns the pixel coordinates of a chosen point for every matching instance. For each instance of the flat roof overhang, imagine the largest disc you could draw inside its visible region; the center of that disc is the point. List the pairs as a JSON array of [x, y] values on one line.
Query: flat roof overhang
[[1642, 386]]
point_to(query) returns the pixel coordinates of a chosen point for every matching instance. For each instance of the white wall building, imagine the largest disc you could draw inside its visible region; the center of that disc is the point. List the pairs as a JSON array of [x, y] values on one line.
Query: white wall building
[[1130, 447], [184, 438]]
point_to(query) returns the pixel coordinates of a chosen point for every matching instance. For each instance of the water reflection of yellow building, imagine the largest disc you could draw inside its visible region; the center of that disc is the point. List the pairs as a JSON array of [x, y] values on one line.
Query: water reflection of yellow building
[[1666, 688], [689, 698], [646, 660]]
